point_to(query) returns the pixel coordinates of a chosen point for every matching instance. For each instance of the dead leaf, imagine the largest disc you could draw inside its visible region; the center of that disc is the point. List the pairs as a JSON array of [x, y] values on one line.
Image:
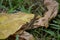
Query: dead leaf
[[52, 7], [26, 36], [10, 23]]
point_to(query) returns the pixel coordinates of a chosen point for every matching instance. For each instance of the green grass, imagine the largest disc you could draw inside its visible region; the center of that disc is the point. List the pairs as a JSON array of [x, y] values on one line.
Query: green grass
[[51, 33]]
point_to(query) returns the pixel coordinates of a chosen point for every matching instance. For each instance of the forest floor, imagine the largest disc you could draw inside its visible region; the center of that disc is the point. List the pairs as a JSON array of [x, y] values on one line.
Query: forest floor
[[50, 33]]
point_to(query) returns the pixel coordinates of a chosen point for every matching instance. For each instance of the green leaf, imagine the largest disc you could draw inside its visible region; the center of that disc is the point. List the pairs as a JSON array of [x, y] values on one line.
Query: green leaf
[[23, 9], [49, 32], [10, 3], [17, 37], [55, 26]]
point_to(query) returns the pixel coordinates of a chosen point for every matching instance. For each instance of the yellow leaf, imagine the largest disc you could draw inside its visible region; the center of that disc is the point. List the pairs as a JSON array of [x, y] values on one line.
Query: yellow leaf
[[10, 23]]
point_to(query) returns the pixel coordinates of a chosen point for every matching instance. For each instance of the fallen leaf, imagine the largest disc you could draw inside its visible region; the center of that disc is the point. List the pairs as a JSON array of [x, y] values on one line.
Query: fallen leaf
[[10, 23], [52, 7], [26, 36]]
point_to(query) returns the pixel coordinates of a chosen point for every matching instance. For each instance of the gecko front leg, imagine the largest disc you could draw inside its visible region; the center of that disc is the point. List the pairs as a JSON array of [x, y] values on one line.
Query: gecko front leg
[[52, 7]]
